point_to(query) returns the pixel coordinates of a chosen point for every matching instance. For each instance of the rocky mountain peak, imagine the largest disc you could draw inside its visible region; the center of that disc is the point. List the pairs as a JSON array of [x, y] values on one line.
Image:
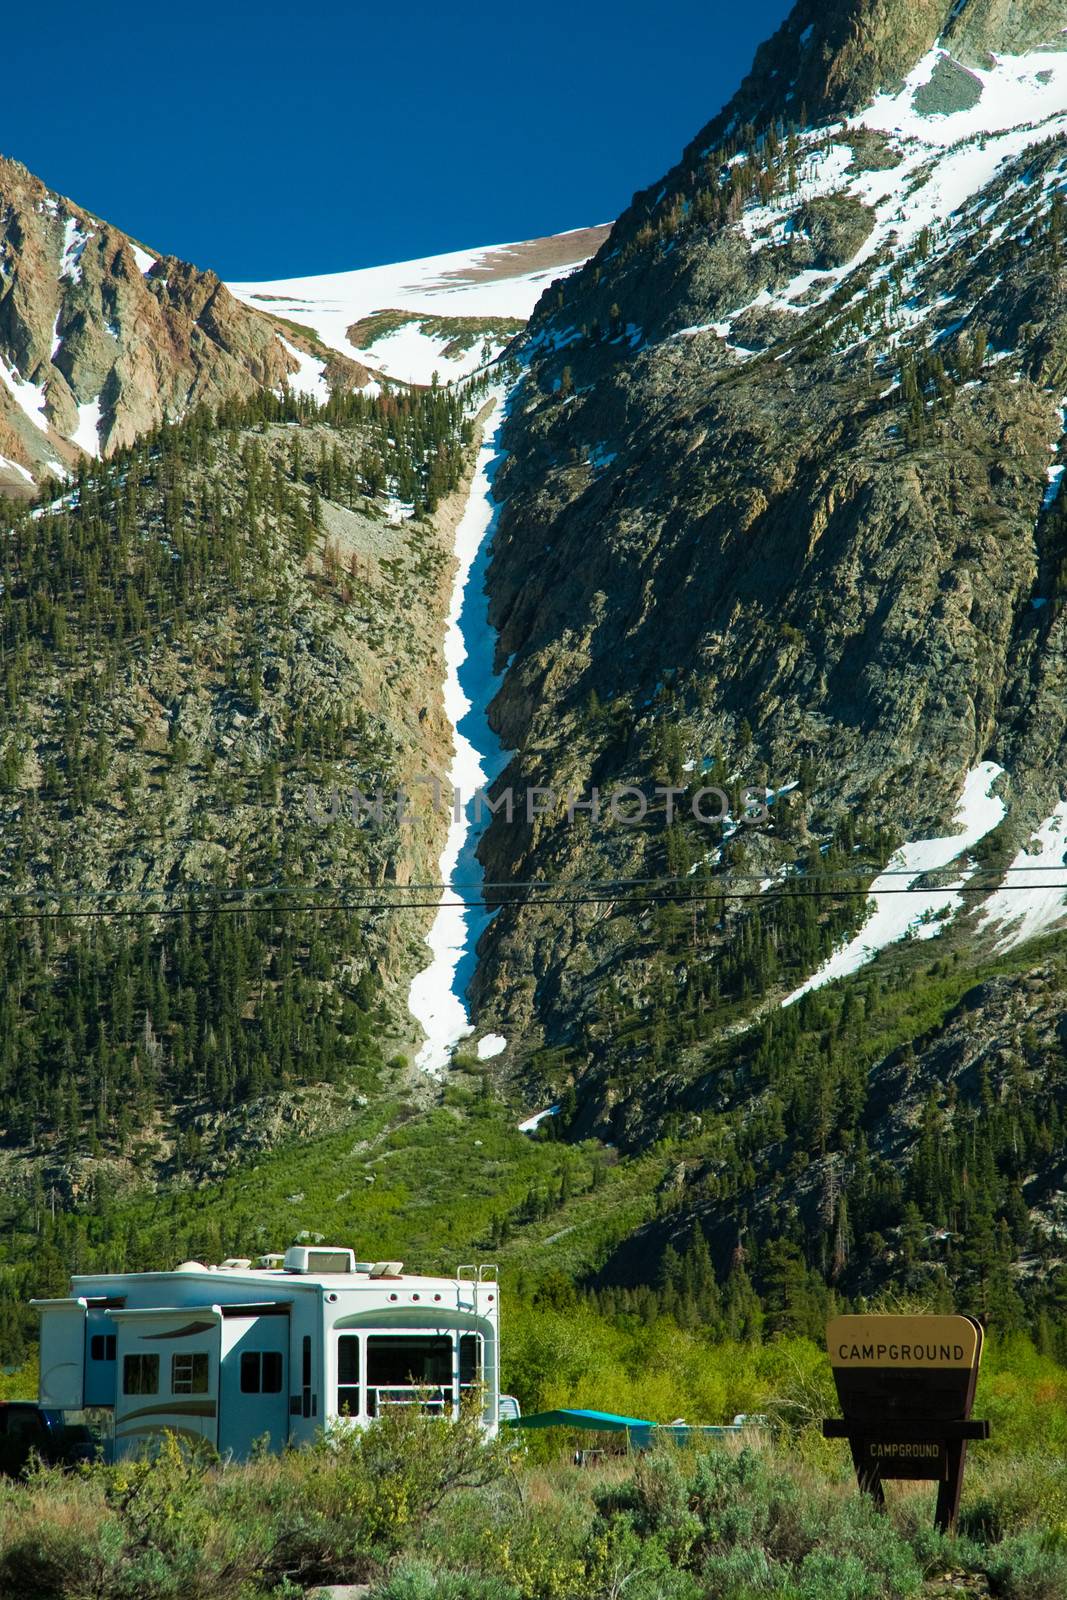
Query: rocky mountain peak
[[829, 59], [101, 339]]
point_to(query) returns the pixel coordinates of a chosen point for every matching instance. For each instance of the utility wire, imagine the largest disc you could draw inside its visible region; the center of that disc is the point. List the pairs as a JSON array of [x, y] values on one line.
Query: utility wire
[[637, 901], [236, 891]]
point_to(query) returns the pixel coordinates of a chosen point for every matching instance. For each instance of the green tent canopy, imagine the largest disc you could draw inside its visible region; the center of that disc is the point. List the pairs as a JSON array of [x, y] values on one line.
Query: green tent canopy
[[597, 1421], [640, 1433]]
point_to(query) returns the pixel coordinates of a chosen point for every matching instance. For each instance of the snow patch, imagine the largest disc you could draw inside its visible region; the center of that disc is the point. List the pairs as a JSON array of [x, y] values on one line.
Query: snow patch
[[74, 242], [13, 466], [1015, 90], [1032, 898], [532, 1124], [30, 397], [87, 434], [309, 379], [410, 354], [144, 261], [894, 915], [491, 1045], [1055, 473]]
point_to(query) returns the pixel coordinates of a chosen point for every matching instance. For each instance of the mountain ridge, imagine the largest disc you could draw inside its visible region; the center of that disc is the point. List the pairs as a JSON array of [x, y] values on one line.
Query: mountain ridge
[[102, 340]]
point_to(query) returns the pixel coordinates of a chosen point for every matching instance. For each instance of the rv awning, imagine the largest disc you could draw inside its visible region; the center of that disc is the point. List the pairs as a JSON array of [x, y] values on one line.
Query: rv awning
[[595, 1421]]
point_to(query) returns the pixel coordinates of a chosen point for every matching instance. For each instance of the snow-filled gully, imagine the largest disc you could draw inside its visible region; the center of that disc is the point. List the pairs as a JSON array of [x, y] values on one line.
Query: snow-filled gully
[[437, 995]]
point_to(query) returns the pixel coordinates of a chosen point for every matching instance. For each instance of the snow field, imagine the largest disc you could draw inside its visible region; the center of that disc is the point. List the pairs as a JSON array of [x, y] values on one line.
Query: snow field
[[897, 916], [456, 284], [1032, 898]]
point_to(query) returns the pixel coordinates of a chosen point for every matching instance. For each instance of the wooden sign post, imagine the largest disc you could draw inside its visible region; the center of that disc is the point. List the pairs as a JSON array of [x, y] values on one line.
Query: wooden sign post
[[906, 1387]]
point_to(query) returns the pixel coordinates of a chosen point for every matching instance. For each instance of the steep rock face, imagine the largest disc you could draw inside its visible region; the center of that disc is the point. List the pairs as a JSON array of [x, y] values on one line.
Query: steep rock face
[[781, 510], [101, 341], [832, 58], [1008, 27]]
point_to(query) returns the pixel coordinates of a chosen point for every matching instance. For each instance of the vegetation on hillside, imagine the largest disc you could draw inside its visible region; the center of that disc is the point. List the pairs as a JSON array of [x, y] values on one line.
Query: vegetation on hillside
[[459, 334], [176, 661]]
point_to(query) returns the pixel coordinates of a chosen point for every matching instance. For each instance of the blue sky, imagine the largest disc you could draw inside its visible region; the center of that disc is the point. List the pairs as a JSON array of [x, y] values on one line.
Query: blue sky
[[268, 140]]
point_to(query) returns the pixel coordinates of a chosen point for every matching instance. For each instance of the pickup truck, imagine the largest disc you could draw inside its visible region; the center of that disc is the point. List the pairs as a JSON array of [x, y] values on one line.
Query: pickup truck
[[26, 1427]]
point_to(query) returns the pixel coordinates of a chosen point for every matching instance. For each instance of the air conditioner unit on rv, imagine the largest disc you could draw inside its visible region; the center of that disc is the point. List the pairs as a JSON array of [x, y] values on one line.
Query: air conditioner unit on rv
[[319, 1258]]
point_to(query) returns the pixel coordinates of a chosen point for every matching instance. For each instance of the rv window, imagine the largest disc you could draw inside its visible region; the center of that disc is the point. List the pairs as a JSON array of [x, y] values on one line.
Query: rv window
[[140, 1375], [261, 1372], [416, 1359], [470, 1359], [348, 1375], [102, 1347], [398, 1364], [188, 1373]]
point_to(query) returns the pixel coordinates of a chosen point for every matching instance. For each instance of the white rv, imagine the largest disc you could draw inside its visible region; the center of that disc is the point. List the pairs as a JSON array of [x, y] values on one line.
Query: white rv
[[237, 1352]]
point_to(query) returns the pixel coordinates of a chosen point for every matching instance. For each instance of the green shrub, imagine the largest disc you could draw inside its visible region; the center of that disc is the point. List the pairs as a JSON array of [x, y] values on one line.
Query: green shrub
[[744, 1573], [418, 1581], [424, 1511], [51, 1560], [1007, 1495], [728, 1514], [361, 1496], [1030, 1566]]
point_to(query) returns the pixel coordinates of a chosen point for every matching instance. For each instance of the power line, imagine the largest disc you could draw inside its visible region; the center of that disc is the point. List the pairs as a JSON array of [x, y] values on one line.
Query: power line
[[194, 909], [706, 891]]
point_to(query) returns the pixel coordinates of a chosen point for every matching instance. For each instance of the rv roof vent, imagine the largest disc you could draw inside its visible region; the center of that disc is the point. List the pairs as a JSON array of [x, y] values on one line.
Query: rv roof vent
[[319, 1258], [387, 1269], [273, 1262], [190, 1266], [236, 1263]]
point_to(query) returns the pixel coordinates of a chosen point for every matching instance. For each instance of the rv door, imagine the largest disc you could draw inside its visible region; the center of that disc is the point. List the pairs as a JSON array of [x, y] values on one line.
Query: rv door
[[101, 1341]]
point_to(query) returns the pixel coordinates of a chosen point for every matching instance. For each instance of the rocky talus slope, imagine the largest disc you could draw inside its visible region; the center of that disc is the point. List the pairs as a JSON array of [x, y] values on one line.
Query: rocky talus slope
[[781, 510]]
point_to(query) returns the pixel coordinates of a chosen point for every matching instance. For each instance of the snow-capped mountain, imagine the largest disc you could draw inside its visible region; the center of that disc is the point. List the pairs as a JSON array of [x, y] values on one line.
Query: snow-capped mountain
[[446, 314], [102, 339]]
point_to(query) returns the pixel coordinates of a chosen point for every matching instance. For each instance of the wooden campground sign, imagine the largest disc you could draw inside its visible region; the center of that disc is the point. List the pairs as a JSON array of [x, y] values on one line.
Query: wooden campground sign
[[906, 1387]]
